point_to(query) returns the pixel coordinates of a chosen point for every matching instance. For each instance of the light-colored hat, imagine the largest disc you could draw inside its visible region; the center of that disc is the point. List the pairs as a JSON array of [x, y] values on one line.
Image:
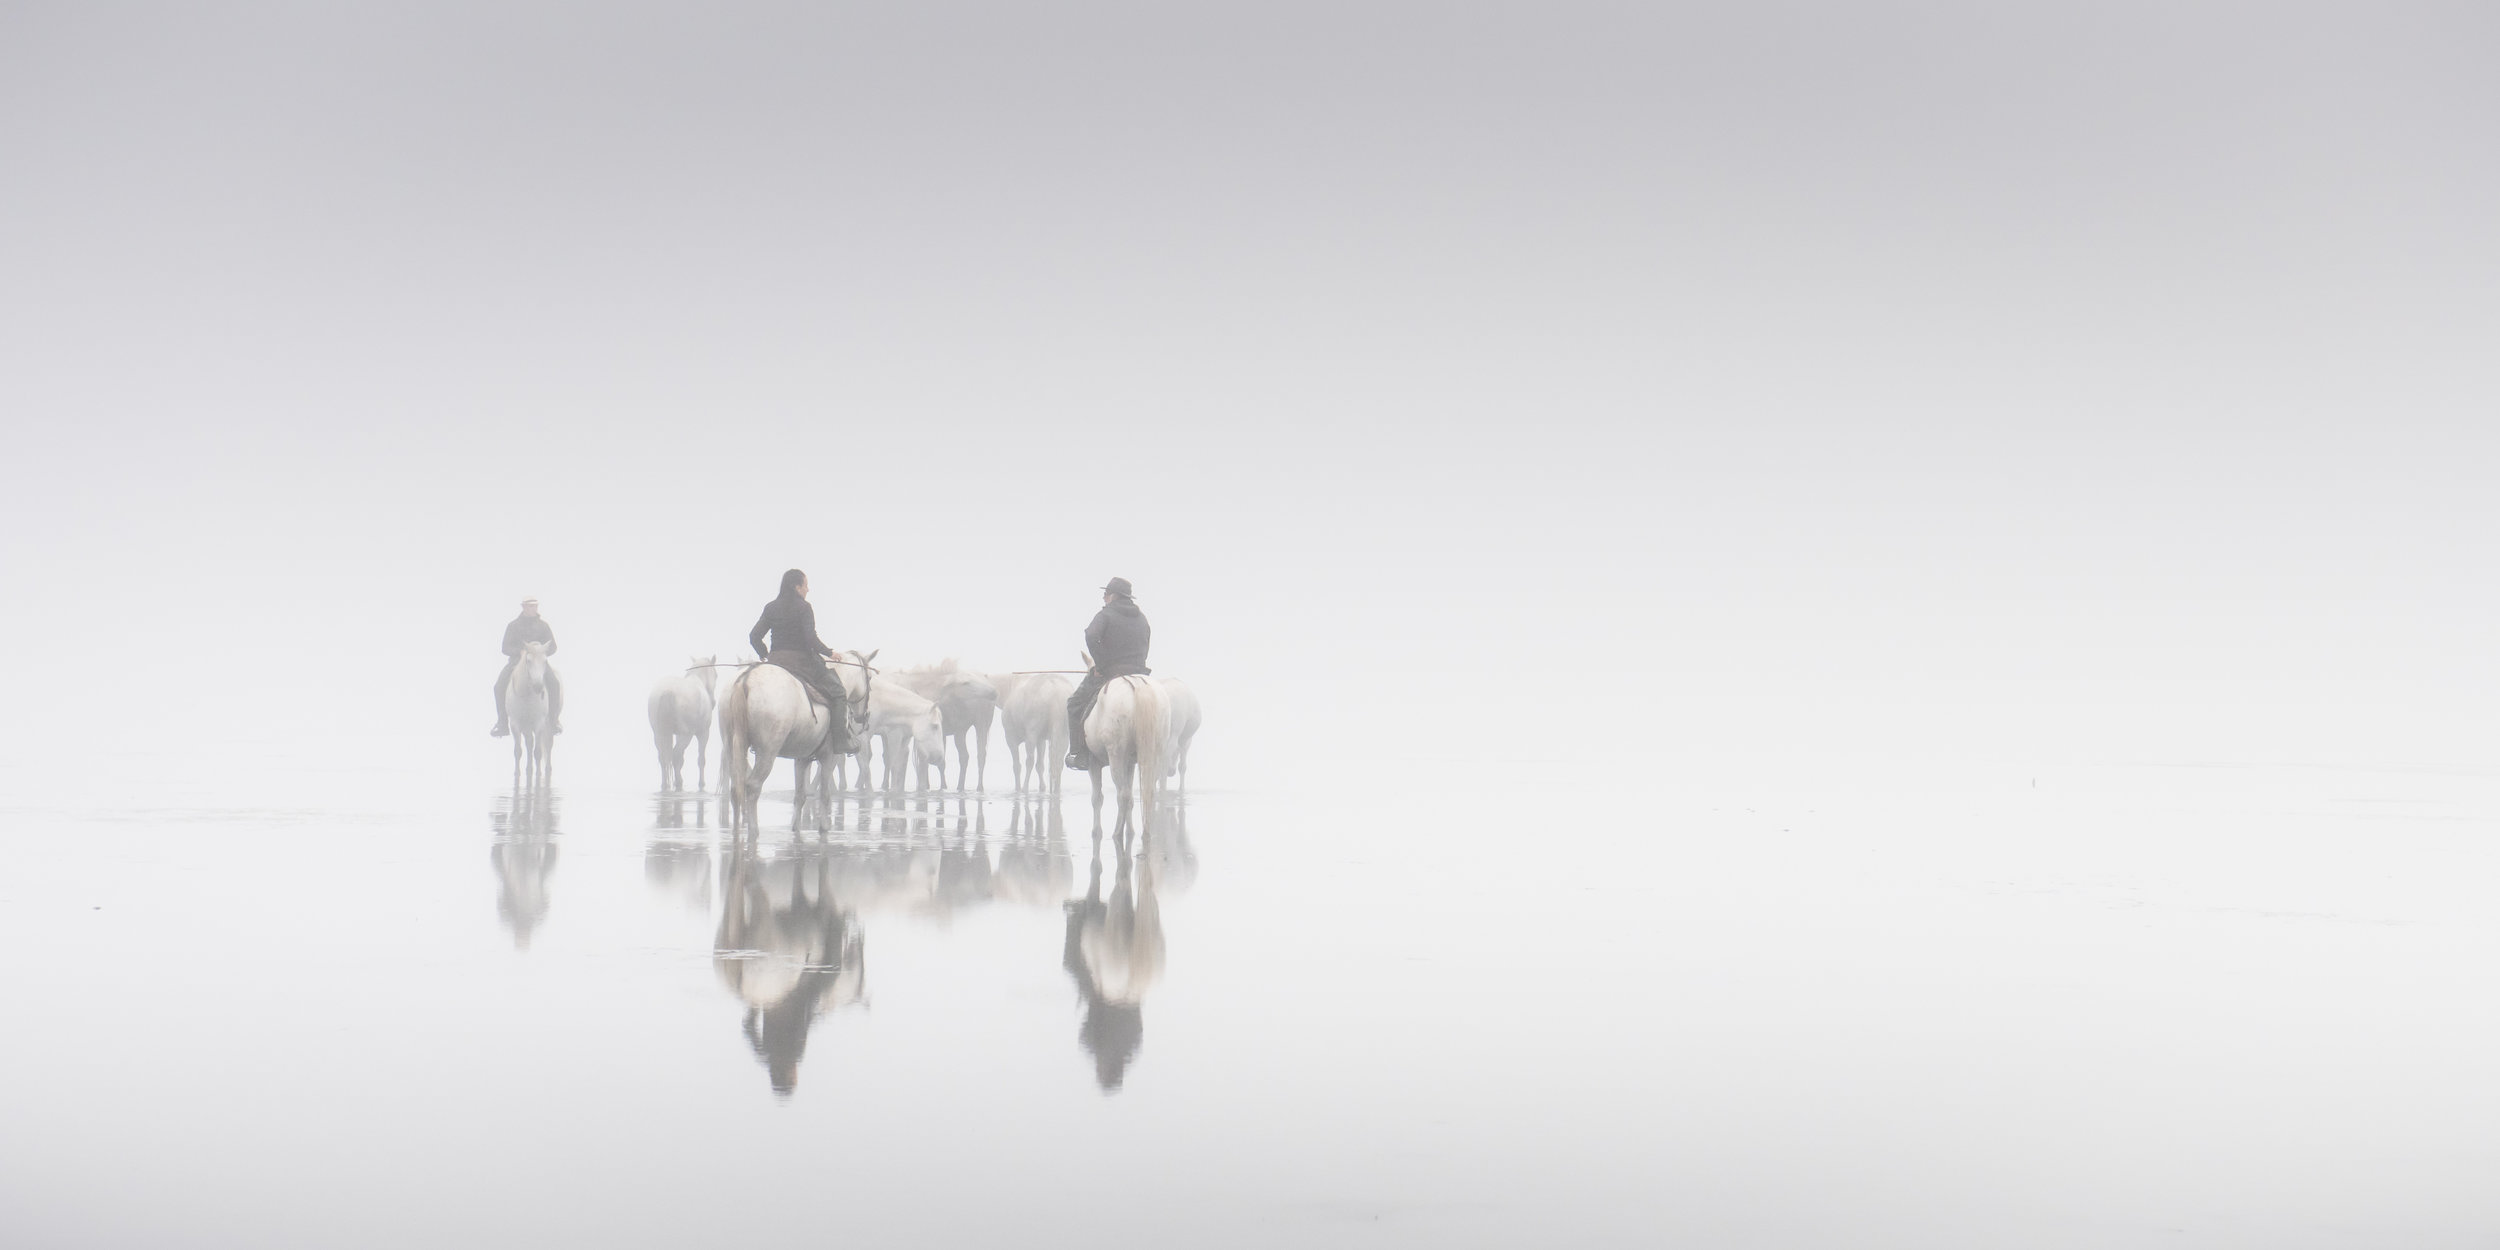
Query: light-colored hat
[[529, 603]]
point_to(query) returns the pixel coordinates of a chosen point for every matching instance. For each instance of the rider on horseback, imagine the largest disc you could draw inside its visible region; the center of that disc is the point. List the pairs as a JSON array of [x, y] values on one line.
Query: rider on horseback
[[1117, 641], [525, 629], [792, 623]]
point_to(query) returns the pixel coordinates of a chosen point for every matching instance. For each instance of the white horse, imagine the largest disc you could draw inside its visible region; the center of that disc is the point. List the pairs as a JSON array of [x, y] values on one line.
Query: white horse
[[769, 714], [1033, 715], [1127, 728], [967, 703], [907, 728], [1180, 728], [681, 712], [533, 729]]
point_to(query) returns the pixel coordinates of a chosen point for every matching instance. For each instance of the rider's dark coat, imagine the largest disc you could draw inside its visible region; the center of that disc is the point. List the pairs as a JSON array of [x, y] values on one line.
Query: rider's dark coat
[[795, 647], [526, 629], [792, 623], [1118, 638]]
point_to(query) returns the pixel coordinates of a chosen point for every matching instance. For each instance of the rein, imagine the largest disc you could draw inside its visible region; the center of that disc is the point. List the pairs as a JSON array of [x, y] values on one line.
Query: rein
[[747, 664]]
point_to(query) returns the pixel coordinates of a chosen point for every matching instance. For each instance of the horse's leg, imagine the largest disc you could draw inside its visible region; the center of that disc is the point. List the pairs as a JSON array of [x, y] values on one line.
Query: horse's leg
[[1096, 773], [826, 816], [754, 788], [798, 792], [702, 768], [982, 736], [824, 793], [1124, 774]]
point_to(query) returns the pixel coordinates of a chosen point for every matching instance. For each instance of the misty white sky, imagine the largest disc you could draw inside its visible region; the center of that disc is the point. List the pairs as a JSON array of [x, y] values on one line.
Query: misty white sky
[[2113, 381]]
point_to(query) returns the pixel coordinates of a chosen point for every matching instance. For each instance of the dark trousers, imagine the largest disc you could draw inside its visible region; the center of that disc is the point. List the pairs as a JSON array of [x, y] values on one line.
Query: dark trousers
[[555, 690], [816, 675], [1081, 704]]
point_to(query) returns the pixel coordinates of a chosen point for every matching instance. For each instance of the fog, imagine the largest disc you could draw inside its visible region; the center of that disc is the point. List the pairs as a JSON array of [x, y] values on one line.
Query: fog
[[1819, 624]]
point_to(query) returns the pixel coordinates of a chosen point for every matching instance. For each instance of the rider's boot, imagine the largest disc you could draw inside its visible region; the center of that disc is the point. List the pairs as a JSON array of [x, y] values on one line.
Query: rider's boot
[[499, 730]]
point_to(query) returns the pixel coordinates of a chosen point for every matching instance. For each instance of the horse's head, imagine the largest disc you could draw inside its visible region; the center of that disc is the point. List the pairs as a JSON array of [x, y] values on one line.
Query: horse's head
[[928, 733], [705, 669], [859, 681]]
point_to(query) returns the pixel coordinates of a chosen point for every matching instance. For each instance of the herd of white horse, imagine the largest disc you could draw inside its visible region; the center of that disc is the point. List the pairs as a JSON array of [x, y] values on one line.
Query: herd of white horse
[[1141, 729]]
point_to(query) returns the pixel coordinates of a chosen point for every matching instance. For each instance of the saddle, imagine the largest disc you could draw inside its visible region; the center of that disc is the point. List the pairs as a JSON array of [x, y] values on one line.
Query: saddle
[[837, 710]]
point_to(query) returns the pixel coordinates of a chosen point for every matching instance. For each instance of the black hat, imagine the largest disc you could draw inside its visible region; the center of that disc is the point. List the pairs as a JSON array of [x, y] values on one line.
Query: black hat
[[1118, 586]]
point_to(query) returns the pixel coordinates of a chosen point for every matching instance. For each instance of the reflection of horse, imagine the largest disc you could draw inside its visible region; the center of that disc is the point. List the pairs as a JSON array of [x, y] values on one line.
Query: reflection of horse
[[533, 728], [769, 714], [678, 867], [524, 856], [1033, 862], [1114, 952], [1127, 730], [787, 947], [1033, 716], [681, 712], [967, 703]]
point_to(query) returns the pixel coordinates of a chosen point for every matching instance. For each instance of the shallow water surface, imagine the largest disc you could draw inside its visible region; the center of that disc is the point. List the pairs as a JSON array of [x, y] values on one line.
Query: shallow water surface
[[1451, 1011]]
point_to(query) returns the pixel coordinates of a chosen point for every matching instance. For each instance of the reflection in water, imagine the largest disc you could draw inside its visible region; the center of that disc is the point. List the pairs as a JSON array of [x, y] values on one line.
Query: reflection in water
[[1034, 867], [791, 942], [788, 947], [676, 867], [1114, 951], [524, 856]]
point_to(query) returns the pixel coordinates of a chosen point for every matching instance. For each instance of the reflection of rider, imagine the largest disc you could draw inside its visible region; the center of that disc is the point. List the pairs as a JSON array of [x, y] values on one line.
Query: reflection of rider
[[524, 856], [791, 952], [1114, 952], [1117, 640], [795, 646], [525, 629]]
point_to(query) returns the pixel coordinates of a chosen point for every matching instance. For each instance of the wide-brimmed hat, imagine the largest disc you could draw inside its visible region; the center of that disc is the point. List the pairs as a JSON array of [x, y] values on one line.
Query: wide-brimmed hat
[[1118, 586], [529, 603]]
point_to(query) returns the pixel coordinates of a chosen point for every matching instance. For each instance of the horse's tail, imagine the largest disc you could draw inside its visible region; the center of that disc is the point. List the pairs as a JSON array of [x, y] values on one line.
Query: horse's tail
[[733, 745], [1151, 722]]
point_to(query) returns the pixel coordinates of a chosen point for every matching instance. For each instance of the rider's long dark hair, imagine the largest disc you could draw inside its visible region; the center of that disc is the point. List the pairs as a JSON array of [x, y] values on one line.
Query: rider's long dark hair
[[790, 583]]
